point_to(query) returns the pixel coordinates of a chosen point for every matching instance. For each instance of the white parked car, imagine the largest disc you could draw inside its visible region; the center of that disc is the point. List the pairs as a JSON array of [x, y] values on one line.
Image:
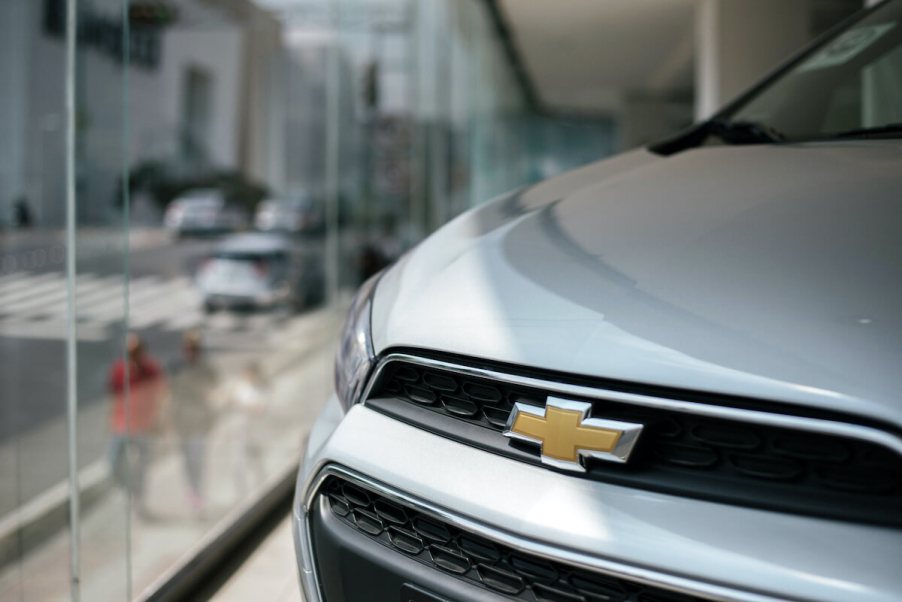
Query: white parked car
[[259, 271], [203, 211], [281, 215], [669, 376]]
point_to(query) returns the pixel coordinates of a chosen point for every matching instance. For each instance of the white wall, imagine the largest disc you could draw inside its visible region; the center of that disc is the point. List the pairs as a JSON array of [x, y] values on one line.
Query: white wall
[[739, 41], [263, 89], [216, 49]]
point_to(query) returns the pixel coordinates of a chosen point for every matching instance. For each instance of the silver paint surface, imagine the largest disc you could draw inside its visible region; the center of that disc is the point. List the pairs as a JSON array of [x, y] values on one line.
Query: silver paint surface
[[770, 272], [763, 271]]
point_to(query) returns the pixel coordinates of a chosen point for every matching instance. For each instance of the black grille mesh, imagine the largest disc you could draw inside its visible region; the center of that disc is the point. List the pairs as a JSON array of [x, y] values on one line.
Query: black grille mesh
[[686, 454], [475, 559]]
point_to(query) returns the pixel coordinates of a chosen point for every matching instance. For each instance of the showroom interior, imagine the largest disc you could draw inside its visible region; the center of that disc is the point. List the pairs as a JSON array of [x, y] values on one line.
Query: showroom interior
[[375, 122]]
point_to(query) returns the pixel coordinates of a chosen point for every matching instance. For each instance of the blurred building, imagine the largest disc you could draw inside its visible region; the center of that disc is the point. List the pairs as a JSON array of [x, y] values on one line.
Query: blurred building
[[436, 114], [31, 108], [201, 91], [443, 104]]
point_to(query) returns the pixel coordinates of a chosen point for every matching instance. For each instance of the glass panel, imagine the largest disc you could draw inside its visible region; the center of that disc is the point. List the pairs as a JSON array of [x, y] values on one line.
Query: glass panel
[[103, 70], [240, 167], [35, 538], [227, 271], [36, 308]]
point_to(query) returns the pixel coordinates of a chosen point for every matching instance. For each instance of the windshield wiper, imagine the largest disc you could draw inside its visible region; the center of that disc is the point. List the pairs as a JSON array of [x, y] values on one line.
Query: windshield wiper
[[889, 130], [744, 132]]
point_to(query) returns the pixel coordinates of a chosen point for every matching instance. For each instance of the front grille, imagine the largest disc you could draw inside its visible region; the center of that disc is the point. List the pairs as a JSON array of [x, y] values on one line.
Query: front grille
[[712, 458], [475, 559]]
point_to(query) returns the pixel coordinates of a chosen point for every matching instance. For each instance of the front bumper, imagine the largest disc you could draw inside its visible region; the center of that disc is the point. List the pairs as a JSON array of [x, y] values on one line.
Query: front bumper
[[710, 550]]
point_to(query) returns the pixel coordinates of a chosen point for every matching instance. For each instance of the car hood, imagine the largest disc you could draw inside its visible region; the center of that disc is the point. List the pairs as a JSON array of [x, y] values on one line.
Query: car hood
[[763, 271]]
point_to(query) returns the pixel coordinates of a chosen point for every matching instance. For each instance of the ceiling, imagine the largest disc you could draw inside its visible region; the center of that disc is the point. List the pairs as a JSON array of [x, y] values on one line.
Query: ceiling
[[585, 56]]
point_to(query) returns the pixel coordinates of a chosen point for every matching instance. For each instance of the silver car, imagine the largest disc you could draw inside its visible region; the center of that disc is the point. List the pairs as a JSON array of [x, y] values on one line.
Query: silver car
[[259, 271], [203, 211], [673, 375], [300, 215]]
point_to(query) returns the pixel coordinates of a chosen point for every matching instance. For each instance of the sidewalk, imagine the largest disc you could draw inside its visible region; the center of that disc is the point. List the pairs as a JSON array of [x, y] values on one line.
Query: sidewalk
[[301, 379], [270, 573], [35, 461]]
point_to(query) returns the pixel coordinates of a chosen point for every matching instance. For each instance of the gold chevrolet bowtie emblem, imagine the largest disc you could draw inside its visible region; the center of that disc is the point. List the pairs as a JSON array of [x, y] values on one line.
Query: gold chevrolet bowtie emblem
[[566, 434]]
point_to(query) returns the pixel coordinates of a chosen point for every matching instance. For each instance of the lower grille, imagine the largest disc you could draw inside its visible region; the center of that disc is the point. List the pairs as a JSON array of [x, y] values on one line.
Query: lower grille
[[477, 560]]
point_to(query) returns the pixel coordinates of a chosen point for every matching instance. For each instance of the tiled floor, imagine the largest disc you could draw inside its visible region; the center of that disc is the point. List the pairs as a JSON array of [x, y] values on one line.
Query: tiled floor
[[269, 573]]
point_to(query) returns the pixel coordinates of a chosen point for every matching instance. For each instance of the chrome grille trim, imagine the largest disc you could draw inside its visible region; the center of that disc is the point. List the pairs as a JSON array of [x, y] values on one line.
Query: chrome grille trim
[[612, 568], [813, 425]]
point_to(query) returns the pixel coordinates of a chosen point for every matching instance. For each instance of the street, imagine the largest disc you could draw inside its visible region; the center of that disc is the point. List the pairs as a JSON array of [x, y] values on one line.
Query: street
[[32, 328], [163, 304]]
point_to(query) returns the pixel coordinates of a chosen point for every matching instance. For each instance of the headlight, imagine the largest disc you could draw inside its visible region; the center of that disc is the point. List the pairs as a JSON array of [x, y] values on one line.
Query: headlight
[[355, 353]]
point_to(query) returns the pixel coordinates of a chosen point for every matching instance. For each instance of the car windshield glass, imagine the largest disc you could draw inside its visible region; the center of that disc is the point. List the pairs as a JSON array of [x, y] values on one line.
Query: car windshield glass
[[234, 270], [850, 86]]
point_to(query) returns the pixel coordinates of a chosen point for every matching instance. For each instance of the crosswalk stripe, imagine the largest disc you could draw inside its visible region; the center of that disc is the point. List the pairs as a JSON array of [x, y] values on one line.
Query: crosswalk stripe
[[57, 297], [87, 294], [14, 280], [109, 304], [49, 330], [107, 289], [181, 296], [17, 280], [35, 294], [28, 285], [6, 279], [184, 320], [115, 305], [35, 307], [158, 304]]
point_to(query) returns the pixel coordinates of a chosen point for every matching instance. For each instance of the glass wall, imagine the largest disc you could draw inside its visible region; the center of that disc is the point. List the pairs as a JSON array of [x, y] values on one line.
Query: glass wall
[[189, 192], [435, 119]]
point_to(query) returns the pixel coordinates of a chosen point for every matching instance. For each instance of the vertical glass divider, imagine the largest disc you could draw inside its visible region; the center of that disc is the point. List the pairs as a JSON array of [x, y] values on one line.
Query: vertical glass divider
[[126, 272], [71, 327], [417, 162], [333, 151]]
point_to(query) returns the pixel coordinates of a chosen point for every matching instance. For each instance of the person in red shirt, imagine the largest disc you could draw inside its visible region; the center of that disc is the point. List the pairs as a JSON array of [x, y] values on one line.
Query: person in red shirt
[[136, 385]]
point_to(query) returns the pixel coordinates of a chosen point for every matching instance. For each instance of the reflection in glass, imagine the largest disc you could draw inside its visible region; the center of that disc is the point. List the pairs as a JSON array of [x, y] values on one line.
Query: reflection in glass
[[343, 131]]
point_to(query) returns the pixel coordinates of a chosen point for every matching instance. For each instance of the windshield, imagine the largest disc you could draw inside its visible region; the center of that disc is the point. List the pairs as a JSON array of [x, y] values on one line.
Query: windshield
[[233, 270], [244, 266], [849, 86]]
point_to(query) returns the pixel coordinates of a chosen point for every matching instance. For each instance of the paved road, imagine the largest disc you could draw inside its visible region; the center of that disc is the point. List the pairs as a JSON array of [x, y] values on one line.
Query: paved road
[[163, 304]]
